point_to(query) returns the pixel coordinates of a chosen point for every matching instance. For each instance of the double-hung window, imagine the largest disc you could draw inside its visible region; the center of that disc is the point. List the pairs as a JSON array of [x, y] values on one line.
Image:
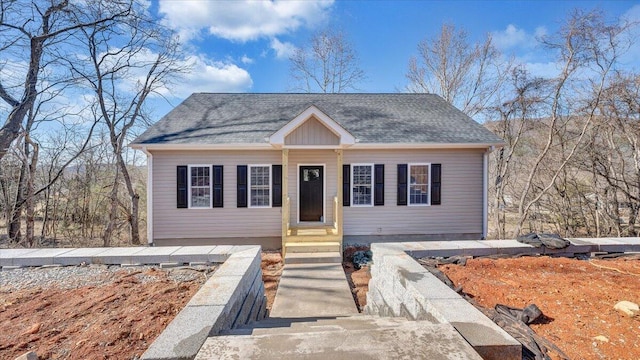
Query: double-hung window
[[361, 185], [419, 184], [259, 185], [200, 186]]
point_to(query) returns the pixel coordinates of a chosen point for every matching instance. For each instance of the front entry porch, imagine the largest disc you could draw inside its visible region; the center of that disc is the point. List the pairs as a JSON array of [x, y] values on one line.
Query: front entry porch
[[312, 202], [312, 145]]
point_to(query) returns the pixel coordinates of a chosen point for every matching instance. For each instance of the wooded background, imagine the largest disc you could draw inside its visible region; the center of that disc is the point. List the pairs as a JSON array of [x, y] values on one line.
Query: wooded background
[[571, 164]]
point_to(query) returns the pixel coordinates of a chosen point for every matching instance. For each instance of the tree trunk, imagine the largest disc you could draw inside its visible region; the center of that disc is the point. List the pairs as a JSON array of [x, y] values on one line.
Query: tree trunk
[[113, 214], [14, 229], [134, 220], [30, 198]]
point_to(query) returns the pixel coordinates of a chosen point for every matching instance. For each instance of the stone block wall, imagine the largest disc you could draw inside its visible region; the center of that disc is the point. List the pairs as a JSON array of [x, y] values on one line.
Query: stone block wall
[[401, 287], [232, 297]]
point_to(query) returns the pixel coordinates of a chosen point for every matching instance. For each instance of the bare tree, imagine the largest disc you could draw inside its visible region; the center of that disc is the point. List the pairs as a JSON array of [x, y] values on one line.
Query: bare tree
[[40, 29], [466, 75], [136, 49], [27, 189], [585, 45], [329, 65], [524, 99], [615, 148]]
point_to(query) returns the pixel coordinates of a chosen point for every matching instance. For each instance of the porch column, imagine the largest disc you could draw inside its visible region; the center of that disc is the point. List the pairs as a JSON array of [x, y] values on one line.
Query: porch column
[[285, 196], [339, 195]]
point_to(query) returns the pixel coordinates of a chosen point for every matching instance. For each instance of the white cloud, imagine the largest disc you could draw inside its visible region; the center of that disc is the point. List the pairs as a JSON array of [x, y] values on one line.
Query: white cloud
[[246, 60], [203, 75], [207, 75], [525, 47], [283, 50], [514, 37], [242, 20], [540, 32], [510, 37]]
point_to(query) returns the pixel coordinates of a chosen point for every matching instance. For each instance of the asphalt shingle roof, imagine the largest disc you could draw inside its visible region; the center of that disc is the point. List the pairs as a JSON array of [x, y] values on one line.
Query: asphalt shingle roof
[[206, 118]]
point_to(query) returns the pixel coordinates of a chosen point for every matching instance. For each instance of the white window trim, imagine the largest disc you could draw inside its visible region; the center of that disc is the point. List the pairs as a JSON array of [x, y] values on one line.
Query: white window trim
[[428, 165], [249, 166], [210, 185], [373, 182]]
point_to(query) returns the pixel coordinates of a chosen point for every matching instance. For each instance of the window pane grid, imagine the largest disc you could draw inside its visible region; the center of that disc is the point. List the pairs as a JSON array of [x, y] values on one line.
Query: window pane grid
[[419, 184], [200, 186], [260, 185], [362, 182]]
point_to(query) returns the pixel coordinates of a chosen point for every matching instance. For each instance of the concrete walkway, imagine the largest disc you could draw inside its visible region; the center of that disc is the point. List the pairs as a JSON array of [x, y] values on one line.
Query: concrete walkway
[[315, 317], [313, 290], [138, 255], [343, 338]]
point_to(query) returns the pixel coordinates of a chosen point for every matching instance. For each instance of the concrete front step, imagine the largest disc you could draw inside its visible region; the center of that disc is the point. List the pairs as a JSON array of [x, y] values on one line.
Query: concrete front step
[[312, 246], [406, 340], [306, 325], [313, 257]]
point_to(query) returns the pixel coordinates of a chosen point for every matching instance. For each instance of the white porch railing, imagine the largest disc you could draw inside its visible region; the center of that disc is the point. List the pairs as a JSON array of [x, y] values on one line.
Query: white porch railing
[[336, 214]]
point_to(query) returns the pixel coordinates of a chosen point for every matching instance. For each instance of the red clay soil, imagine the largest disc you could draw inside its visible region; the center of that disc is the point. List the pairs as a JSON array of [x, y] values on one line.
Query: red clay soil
[[118, 320], [358, 279], [576, 296], [271, 271]]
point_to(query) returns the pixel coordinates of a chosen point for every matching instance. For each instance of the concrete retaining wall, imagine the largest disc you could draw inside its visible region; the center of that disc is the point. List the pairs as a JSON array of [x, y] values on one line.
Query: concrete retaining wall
[[233, 296], [400, 286]]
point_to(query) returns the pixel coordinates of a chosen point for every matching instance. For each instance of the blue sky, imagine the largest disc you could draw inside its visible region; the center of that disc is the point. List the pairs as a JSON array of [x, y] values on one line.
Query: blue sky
[[244, 46], [241, 46]]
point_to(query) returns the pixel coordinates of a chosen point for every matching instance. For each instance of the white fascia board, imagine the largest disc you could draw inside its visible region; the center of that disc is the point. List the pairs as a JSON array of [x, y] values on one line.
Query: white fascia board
[[426, 146], [354, 146], [254, 146], [345, 137]]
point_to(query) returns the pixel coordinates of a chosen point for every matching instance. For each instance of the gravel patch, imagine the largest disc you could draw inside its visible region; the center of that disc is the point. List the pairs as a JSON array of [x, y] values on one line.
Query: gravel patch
[[70, 277]]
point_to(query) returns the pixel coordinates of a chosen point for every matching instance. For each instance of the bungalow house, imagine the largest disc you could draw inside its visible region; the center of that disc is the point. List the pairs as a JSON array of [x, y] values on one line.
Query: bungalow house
[[311, 171]]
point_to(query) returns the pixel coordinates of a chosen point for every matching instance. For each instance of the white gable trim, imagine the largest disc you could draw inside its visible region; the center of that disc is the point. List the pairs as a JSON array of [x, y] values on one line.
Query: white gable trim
[[277, 139]]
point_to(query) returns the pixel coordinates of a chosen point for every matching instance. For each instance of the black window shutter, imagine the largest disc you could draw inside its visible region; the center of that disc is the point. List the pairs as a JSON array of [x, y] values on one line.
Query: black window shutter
[[276, 185], [436, 187], [217, 186], [379, 185], [242, 186], [402, 184], [183, 187], [346, 185]]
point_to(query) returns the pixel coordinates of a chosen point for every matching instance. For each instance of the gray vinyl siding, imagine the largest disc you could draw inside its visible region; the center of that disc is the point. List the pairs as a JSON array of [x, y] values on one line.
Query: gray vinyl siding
[[227, 222], [460, 212], [461, 209], [329, 158], [312, 132]]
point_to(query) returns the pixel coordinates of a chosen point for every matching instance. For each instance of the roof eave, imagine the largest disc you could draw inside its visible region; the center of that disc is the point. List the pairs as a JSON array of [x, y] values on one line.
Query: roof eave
[[231, 146], [487, 145], [356, 146]]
